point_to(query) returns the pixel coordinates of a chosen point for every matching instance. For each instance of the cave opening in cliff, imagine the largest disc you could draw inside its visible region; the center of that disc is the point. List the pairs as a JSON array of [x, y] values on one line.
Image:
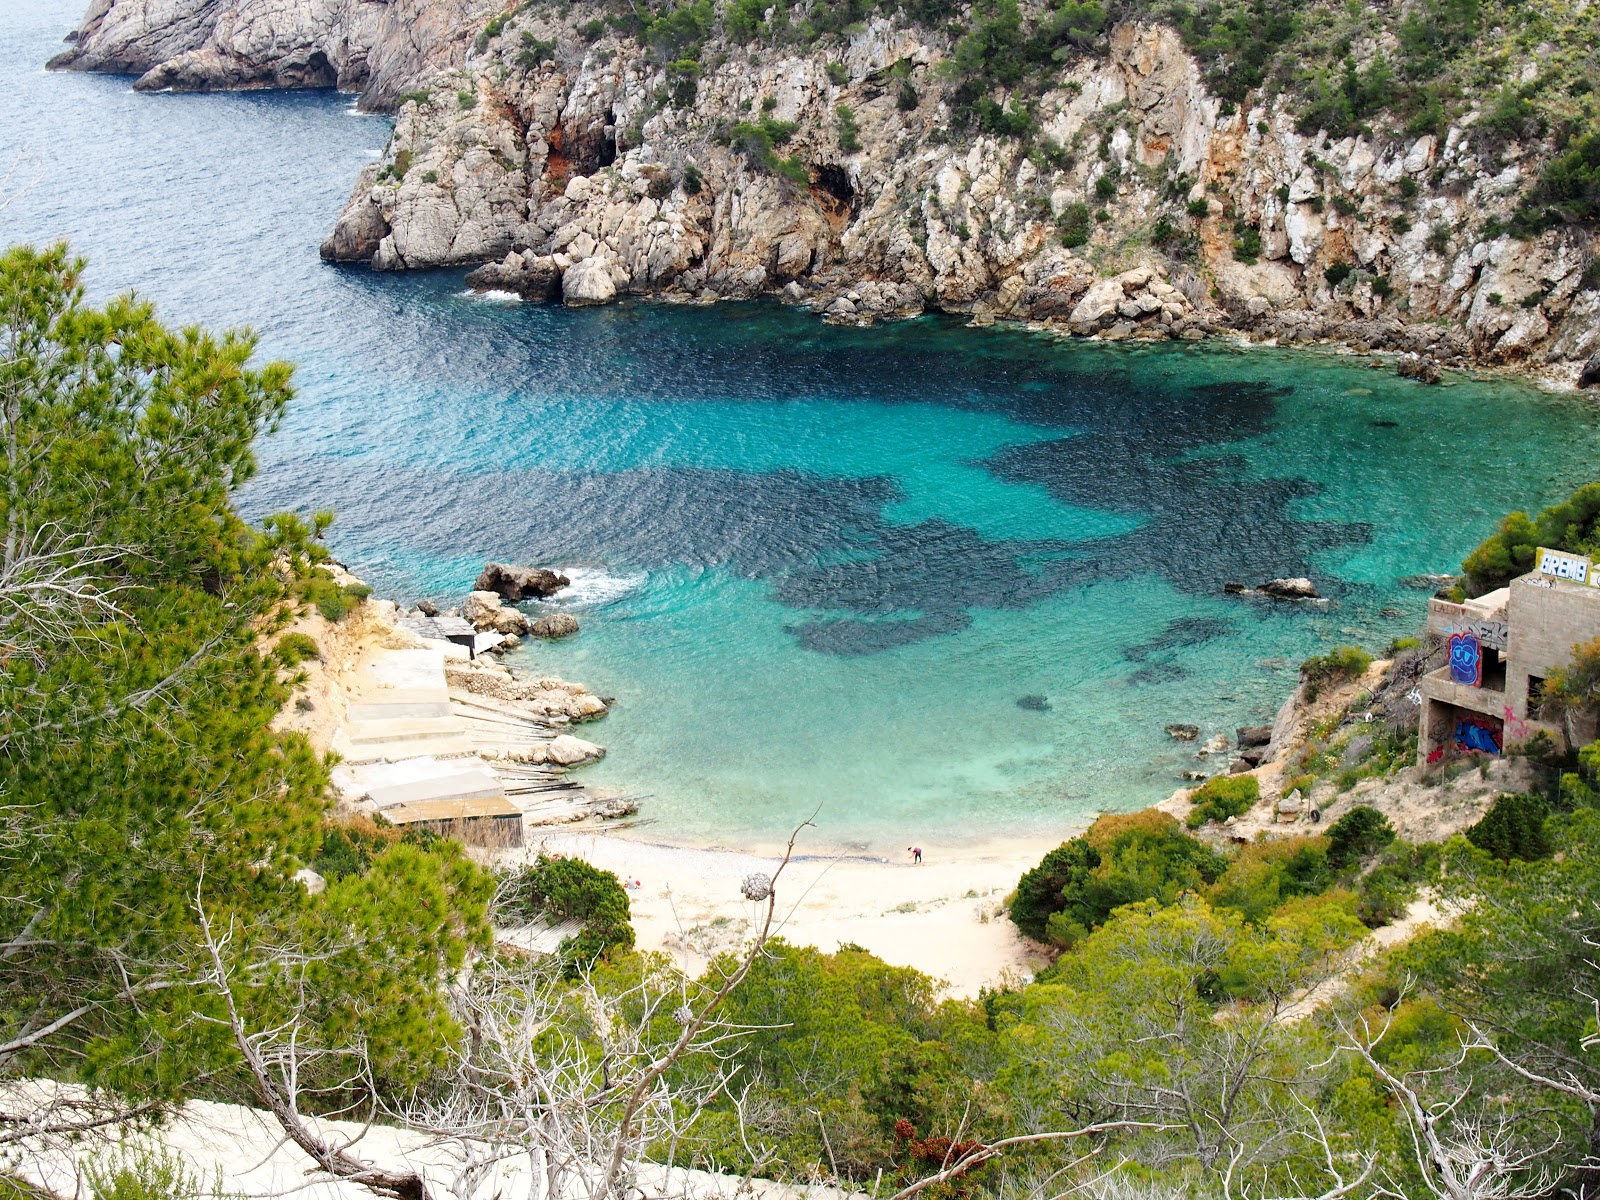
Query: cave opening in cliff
[[608, 141], [318, 72], [833, 192]]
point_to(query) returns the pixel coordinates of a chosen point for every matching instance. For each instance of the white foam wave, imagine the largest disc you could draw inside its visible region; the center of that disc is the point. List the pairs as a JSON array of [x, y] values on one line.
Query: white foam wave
[[592, 586], [496, 295]]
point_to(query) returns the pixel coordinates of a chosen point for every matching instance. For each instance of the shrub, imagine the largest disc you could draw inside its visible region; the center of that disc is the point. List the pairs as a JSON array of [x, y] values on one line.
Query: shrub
[[1121, 859], [1357, 835], [1199, 208], [1568, 189], [295, 648], [845, 121], [683, 80], [838, 74], [906, 99], [693, 180], [1381, 286], [1337, 273], [466, 98], [1336, 666], [1073, 224], [331, 600], [145, 1174], [592, 31], [1513, 829], [1270, 871], [1247, 244], [1105, 187], [569, 889], [1223, 797]]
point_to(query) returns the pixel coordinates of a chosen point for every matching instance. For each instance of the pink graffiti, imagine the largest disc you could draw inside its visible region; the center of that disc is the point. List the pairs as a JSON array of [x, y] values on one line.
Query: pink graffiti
[[1435, 755], [1515, 726]]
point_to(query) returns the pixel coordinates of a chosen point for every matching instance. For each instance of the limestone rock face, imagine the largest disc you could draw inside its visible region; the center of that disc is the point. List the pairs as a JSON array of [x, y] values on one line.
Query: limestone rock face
[[379, 49], [587, 282], [567, 174]]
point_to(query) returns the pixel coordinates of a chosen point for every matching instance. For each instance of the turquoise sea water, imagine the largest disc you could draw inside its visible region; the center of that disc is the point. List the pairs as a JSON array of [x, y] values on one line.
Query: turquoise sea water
[[814, 566]]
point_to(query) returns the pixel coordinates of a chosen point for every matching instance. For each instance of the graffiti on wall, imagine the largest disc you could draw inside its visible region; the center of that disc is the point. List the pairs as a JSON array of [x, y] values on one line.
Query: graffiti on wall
[[1466, 659], [1460, 619], [1478, 734]]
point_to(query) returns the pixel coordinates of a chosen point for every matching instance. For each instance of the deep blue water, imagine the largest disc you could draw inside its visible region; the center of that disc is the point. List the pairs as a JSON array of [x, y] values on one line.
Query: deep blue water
[[814, 565]]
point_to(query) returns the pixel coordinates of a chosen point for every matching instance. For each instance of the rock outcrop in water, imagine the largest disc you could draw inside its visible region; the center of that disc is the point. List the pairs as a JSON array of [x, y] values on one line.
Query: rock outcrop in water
[[381, 48], [573, 162]]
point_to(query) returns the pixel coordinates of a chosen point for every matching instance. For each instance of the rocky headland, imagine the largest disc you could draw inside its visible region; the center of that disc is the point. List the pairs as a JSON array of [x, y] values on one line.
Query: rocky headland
[[567, 158]]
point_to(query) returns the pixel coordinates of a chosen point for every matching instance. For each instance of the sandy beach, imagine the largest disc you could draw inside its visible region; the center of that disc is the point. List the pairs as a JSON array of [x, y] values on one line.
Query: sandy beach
[[944, 917]]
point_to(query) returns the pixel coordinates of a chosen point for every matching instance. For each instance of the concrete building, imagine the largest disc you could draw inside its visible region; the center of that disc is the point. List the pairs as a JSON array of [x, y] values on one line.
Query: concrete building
[[1500, 648]]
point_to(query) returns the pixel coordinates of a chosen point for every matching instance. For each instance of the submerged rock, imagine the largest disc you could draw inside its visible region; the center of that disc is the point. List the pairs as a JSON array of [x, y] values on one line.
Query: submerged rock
[[556, 625], [1296, 588], [1033, 703], [1183, 733], [1420, 367]]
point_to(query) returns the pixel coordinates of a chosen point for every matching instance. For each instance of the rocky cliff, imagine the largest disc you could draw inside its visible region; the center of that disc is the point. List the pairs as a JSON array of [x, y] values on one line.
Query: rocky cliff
[[582, 165], [380, 48]]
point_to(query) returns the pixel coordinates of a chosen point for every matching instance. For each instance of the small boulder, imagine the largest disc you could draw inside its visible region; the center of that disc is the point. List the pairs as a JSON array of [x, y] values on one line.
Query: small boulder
[[556, 625], [427, 608], [1297, 588], [588, 282], [1420, 367], [568, 751], [483, 609], [585, 707], [1253, 735], [1183, 733], [512, 622], [520, 583], [1590, 375], [1234, 588]]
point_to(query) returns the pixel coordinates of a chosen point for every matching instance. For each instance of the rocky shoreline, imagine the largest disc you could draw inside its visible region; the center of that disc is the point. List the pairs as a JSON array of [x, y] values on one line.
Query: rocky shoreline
[[563, 161]]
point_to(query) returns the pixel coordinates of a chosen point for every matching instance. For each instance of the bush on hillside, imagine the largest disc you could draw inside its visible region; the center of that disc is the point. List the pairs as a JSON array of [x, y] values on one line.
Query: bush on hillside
[[1336, 666], [569, 889], [295, 648], [1121, 859], [1222, 797], [1513, 829], [1356, 836]]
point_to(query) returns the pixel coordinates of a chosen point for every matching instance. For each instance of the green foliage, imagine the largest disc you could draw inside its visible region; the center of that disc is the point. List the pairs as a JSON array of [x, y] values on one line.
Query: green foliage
[[683, 82], [1247, 244], [1074, 224], [1105, 187], [569, 889], [693, 180], [845, 122], [466, 99], [1338, 665], [1508, 553], [138, 741], [1198, 208], [1221, 797], [145, 1173], [757, 142], [1568, 189], [838, 73], [1337, 273], [1513, 828], [293, 649], [488, 33], [333, 600], [1356, 836], [534, 51], [1120, 860], [1270, 871]]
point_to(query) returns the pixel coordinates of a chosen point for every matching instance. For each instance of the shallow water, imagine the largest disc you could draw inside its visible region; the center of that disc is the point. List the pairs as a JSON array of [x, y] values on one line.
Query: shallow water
[[814, 566]]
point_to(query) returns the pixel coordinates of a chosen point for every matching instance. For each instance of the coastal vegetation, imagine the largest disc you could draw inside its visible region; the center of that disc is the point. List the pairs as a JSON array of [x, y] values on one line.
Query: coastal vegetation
[[1202, 1031]]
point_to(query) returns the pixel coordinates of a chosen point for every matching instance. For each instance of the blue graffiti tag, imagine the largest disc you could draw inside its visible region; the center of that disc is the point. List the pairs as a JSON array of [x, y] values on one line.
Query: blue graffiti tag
[[1466, 659], [1475, 735]]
